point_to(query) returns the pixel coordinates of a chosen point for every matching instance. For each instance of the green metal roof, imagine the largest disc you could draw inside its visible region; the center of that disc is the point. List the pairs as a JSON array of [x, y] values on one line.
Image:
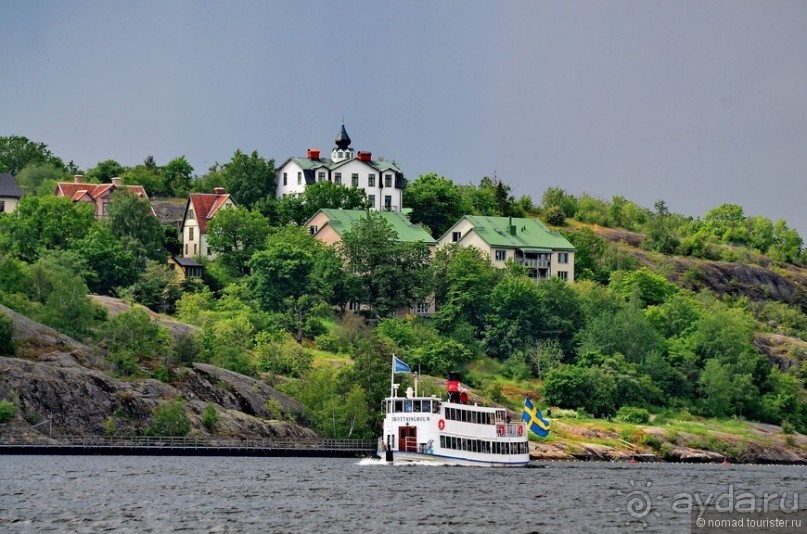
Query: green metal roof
[[529, 233], [342, 221], [328, 163]]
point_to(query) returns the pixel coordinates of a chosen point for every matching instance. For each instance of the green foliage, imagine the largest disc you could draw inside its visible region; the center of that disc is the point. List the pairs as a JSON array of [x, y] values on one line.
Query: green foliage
[[660, 230], [629, 414], [389, 274], [156, 288], [590, 254], [7, 410], [643, 285], [177, 175], [104, 171], [282, 355], [17, 152], [490, 197], [132, 338], [110, 427], [236, 234], [68, 307], [249, 178], [130, 219], [7, 346], [554, 216], [44, 223], [41, 177], [561, 201], [716, 386], [169, 419], [146, 176], [109, 264], [727, 223], [211, 418], [435, 201], [320, 195]]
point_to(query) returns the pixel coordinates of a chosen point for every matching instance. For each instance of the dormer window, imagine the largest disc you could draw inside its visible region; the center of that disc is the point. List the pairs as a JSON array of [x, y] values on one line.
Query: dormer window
[[191, 215]]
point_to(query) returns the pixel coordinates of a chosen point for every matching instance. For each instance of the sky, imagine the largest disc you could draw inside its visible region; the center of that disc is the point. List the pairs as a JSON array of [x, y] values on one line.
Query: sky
[[691, 102]]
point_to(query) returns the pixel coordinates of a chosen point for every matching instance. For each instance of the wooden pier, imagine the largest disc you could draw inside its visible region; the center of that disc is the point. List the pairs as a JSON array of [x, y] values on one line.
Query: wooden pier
[[189, 446]]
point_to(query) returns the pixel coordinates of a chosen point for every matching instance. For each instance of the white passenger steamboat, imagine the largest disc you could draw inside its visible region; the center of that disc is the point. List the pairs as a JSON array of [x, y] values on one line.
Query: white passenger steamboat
[[451, 431]]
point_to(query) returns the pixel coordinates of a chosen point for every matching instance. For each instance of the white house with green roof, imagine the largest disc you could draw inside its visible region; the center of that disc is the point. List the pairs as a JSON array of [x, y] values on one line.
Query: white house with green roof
[[544, 252], [329, 225], [382, 181]]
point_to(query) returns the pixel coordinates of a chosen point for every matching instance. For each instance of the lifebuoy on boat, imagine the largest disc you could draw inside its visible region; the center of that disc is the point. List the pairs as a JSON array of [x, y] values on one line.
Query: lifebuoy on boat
[[441, 424], [500, 430], [520, 430]]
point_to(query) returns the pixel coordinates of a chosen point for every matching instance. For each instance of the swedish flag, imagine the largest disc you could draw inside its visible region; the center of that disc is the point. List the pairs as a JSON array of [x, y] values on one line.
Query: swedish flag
[[535, 419]]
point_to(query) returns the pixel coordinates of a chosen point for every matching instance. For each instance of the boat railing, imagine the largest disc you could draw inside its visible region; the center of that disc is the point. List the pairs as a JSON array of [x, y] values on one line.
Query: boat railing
[[514, 430]]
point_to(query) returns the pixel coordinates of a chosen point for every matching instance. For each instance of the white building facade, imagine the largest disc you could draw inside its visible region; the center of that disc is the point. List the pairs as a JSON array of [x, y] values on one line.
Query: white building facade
[[382, 181]]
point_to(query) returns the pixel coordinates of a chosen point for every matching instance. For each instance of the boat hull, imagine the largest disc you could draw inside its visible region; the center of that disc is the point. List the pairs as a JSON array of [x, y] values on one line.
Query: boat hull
[[405, 457]]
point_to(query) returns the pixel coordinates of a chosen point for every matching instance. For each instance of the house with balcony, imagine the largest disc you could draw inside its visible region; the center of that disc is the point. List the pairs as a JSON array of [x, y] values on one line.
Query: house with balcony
[[381, 180], [544, 252], [329, 225], [10, 193], [97, 194]]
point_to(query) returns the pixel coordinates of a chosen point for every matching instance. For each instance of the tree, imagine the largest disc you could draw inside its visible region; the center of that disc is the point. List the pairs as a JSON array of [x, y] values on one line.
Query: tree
[[660, 233], [317, 196], [147, 176], [68, 307], [727, 223], [104, 171], [110, 264], [17, 152], [132, 221], [715, 383], [644, 285], [6, 336], [389, 274], [35, 177], [514, 317], [177, 175], [249, 178], [235, 234], [169, 419], [435, 202], [559, 198], [43, 223], [787, 243], [464, 279]]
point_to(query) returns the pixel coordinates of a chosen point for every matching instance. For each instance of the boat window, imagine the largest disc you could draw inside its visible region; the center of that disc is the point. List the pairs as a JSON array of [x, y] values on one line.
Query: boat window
[[464, 416], [407, 405], [398, 406], [427, 406], [436, 407], [416, 406]]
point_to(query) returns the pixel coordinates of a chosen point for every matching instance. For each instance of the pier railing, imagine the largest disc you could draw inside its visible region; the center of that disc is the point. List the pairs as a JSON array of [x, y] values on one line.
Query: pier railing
[[189, 442]]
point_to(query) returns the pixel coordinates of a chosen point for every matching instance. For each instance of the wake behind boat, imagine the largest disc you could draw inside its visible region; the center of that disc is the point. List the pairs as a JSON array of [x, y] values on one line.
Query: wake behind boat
[[452, 431]]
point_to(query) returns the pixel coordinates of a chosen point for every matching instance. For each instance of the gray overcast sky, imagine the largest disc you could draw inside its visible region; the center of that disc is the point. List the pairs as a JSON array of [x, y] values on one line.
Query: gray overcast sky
[[697, 103]]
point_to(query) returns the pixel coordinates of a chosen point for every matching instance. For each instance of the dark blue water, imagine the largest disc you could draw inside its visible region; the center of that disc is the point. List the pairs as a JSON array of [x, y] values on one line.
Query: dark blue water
[[168, 494]]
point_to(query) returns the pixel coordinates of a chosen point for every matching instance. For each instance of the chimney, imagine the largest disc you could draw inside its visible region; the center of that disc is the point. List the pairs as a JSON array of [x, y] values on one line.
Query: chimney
[[117, 181], [78, 178], [218, 190], [365, 156], [313, 153]]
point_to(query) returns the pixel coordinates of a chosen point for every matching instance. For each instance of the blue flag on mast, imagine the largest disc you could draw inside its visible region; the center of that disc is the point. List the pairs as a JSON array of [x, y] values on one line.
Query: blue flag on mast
[[399, 367], [535, 419]]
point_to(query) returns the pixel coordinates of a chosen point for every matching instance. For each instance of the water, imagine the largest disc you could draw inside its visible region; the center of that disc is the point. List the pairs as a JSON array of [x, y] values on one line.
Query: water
[[169, 494]]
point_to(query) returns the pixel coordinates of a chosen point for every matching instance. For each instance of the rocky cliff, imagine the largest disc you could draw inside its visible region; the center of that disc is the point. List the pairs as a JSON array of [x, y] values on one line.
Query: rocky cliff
[[56, 376]]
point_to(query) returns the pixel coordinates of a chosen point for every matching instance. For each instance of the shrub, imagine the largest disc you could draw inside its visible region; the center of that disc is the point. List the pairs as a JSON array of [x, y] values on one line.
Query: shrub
[[110, 427], [653, 441], [666, 450], [6, 335], [211, 418], [787, 427], [169, 419], [629, 414], [7, 410]]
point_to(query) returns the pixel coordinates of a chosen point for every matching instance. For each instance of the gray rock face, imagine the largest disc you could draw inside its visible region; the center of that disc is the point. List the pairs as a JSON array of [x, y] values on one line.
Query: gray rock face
[[61, 378]]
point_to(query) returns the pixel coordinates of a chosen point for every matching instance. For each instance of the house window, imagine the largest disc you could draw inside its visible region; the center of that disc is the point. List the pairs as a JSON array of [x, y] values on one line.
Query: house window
[[353, 306], [191, 215], [321, 177], [190, 234], [338, 178], [388, 202], [563, 257], [387, 180], [354, 180], [313, 229], [423, 308], [456, 236], [105, 208], [195, 250], [371, 199], [186, 249], [371, 180], [501, 255], [286, 178], [2, 206], [299, 178], [563, 275]]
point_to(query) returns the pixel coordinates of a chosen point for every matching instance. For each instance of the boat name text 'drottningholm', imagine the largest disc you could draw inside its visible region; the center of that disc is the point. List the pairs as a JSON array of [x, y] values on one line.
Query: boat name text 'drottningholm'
[[410, 418]]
